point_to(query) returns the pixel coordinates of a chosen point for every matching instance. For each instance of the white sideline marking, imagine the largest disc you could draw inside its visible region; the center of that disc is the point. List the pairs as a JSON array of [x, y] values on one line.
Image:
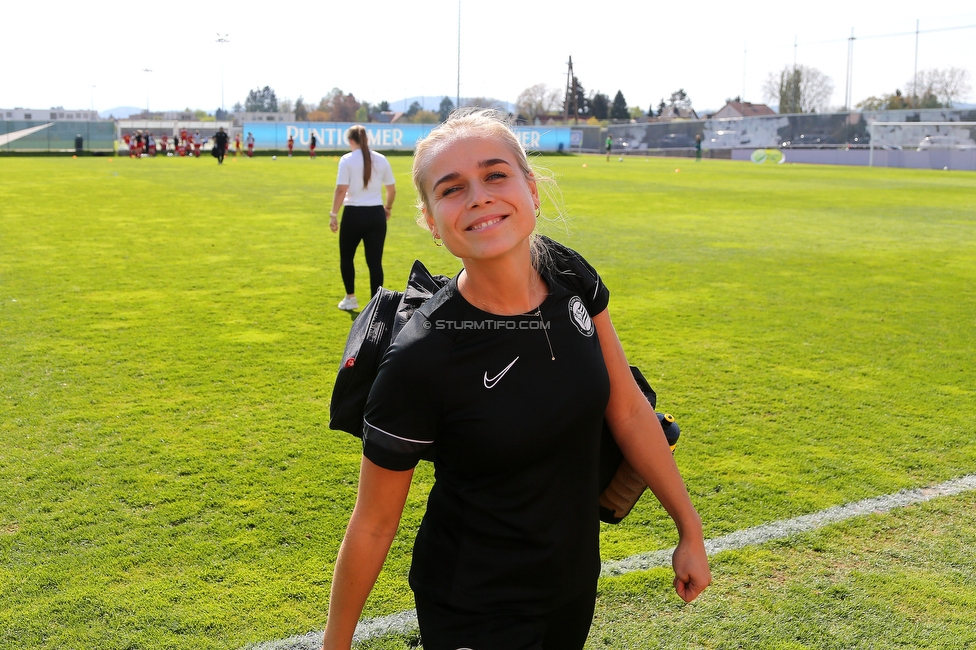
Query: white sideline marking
[[406, 622]]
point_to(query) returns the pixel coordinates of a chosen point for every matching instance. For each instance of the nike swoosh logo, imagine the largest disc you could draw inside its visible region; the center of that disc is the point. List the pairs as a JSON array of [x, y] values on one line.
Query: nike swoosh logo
[[490, 383]]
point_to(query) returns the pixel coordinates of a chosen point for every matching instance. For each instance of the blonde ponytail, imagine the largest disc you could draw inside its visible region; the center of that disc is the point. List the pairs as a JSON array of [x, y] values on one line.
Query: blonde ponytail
[[357, 134]]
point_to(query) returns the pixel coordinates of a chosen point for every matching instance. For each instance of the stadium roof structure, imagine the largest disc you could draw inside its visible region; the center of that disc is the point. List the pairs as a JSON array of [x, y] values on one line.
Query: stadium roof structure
[[743, 109]]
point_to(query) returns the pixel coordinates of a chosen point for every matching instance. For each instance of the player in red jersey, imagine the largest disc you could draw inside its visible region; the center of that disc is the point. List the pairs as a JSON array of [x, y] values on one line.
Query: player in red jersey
[[237, 145], [291, 144]]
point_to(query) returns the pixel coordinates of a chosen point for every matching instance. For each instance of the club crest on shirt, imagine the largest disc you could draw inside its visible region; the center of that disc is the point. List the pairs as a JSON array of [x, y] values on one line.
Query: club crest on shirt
[[580, 317]]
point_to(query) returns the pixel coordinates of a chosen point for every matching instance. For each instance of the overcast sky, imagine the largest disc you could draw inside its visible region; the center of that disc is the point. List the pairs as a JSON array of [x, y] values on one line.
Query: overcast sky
[[81, 55]]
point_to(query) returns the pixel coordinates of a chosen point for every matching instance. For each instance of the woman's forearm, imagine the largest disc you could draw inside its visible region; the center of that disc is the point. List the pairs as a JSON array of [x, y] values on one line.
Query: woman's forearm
[[372, 527], [645, 446], [337, 198], [360, 560]]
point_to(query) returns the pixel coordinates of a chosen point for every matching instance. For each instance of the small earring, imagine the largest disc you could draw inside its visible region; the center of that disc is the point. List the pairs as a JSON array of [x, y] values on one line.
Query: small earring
[[538, 212], [437, 239]]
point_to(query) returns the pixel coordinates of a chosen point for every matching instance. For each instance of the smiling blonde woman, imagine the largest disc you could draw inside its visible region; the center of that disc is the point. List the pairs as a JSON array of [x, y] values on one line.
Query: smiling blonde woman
[[507, 375]]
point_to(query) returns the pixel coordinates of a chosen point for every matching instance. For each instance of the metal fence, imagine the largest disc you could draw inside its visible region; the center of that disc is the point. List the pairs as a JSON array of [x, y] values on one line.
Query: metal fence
[[806, 131], [36, 136]]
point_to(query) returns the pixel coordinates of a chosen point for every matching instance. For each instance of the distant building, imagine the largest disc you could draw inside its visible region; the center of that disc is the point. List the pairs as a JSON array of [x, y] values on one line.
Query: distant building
[[183, 116], [54, 114], [386, 117], [743, 109], [678, 113], [242, 116]]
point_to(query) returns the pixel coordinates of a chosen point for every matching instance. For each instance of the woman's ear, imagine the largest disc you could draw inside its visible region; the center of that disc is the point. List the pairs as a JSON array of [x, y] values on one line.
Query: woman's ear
[[534, 190], [429, 220]]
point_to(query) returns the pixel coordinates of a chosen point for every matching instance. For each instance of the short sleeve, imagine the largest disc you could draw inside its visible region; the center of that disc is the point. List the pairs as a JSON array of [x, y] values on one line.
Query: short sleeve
[[400, 421], [569, 267], [388, 178], [344, 176]]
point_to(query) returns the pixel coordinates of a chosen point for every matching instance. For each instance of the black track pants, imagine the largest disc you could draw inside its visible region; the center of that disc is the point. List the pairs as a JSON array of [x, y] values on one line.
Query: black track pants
[[444, 627], [365, 224]]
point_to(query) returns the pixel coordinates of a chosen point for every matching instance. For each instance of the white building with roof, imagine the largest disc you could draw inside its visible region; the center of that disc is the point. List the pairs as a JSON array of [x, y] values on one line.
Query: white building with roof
[[54, 114]]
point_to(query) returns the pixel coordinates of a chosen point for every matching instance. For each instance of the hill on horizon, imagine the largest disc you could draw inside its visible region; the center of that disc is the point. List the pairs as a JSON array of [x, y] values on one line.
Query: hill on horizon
[[433, 102], [119, 112]]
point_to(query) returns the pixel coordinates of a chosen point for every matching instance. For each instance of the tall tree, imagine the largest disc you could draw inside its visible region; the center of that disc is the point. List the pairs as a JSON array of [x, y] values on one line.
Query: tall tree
[[414, 107], [680, 100], [445, 109], [261, 100], [803, 89], [536, 101], [945, 85], [600, 106], [285, 105], [301, 111], [661, 107], [340, 106], [619, 109], [383, 106]]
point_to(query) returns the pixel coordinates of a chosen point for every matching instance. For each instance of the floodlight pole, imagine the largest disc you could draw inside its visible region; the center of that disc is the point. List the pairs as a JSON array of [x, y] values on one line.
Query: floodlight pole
[[796, 82], [849, 87], [570, 94], [915, 76], [458, 97], [147, 91], [745, 50], [222, 39]]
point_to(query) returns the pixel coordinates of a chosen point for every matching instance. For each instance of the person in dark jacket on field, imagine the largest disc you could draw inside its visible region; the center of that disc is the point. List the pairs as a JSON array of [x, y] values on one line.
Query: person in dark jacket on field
[[220, 145]]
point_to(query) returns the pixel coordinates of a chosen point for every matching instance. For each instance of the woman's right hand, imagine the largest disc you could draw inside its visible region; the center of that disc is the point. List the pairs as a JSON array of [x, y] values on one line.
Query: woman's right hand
[[690, 563]]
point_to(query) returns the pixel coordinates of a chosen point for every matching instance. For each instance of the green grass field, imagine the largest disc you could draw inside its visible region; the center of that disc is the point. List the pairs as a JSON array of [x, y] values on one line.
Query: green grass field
[[169, 338]]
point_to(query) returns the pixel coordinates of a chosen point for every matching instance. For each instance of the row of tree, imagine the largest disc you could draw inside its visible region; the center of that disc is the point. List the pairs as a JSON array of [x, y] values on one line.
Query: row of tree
[[797, 89], [337, 106], [933, 88], [802, 89], [541, 100]]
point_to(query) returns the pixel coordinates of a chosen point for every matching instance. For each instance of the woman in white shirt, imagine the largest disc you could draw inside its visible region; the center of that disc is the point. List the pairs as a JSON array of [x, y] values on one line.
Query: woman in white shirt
[[359, 190]]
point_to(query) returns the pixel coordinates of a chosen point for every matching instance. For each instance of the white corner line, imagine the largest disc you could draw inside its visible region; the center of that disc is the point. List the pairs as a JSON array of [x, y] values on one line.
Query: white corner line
[[406, 622]]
